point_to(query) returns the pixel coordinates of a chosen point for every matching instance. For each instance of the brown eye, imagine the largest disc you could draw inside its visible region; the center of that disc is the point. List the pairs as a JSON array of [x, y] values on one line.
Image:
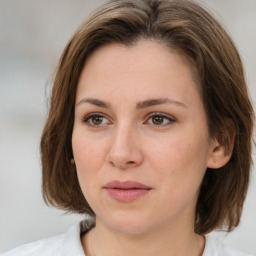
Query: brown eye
[[157, 120], [160, 120], [97, 120]]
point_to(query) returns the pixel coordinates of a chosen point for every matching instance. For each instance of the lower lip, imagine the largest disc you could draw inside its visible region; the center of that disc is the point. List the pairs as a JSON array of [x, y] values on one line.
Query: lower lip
[[126, 195]]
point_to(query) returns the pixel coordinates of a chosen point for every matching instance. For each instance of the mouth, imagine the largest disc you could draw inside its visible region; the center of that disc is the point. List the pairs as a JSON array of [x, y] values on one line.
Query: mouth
[[126, 191]]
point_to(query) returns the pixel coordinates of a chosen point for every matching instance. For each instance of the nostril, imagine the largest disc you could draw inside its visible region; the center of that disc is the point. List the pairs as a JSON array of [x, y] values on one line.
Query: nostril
[[130, 162]]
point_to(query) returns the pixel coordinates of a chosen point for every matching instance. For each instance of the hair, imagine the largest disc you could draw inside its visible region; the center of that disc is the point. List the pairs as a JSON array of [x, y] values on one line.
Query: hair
[[184, 26]]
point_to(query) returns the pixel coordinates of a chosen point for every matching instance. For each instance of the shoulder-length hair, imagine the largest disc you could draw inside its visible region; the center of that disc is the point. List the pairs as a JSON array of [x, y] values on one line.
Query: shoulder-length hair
[[184, 26]]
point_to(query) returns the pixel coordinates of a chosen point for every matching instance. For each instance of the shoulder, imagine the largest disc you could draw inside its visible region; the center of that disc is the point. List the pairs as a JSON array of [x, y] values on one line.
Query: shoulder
[[61, 245], [215, 248], [49, 246]]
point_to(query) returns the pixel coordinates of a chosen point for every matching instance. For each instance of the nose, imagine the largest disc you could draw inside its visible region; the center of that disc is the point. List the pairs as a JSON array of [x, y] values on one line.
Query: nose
[[125, 150]]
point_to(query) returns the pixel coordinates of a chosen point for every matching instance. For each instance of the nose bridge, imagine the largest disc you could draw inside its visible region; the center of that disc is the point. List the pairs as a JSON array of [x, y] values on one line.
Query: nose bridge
[[124, 150], [122, 140]]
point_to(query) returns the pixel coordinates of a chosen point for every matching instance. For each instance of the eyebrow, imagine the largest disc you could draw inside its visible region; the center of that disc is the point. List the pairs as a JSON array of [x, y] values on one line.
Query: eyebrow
[[139, 105], [153, 102], [96, 102]]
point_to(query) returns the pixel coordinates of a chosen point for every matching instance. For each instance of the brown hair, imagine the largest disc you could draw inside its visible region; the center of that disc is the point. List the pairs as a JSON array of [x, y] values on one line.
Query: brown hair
[[184, 26]]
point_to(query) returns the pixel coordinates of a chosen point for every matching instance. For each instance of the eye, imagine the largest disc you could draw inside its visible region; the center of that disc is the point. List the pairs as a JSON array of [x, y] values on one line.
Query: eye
[[95, 120], [159, 119]]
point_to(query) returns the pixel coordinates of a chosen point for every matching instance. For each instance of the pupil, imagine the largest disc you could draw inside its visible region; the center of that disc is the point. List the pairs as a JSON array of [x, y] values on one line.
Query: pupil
[[158, 120], [97, 120]]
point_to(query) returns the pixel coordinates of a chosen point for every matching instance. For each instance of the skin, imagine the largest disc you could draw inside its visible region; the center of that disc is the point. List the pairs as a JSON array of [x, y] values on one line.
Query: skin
[[168, 152]]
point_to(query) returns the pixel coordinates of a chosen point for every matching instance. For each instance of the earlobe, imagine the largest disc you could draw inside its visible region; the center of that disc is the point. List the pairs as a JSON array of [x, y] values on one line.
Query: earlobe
[[218, 156], [222, 149]]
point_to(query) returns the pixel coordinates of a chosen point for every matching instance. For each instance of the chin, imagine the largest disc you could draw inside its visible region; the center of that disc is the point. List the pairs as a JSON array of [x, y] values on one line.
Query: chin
[[128, 223]]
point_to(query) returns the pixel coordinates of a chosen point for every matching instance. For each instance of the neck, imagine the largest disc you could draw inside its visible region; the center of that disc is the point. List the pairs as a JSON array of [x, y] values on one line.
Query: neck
[[166, 240]]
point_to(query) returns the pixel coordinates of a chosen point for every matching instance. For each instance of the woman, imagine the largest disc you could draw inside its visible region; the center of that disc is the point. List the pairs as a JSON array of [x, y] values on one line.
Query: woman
[[149, 132]]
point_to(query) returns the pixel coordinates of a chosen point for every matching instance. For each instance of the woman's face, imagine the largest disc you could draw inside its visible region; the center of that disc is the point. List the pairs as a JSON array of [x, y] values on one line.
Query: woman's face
[[140, 139]]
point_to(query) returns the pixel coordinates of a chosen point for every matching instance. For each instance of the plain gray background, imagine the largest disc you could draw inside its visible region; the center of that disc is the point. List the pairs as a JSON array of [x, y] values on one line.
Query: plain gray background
[[32, 37]]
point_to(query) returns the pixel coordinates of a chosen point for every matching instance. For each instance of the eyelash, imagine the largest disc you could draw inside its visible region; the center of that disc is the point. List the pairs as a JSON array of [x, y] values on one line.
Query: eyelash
[[88, 119], [169, 119]]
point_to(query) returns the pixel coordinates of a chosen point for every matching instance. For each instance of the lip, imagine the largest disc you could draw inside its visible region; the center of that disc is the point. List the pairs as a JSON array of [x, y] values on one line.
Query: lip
[[126, 191]]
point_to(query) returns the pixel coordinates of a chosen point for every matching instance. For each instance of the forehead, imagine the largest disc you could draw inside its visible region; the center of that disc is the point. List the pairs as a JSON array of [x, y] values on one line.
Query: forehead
[[143, 51], [146, 67]]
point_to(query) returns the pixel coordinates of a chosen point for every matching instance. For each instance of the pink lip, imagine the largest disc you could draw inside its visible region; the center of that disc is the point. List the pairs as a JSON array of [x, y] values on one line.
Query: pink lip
[[126, 191]]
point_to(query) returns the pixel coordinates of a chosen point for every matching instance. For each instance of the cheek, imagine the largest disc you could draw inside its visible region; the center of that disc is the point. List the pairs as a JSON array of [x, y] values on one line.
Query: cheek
[[88, 157], [181, 172], [179, 158], [87, 150]]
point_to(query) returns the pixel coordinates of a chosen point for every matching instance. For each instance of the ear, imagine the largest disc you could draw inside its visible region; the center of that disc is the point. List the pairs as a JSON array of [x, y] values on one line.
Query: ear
[[221, 147]]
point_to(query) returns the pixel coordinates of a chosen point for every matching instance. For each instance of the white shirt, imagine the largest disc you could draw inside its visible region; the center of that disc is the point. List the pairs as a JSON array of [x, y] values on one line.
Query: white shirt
[[69, 244]]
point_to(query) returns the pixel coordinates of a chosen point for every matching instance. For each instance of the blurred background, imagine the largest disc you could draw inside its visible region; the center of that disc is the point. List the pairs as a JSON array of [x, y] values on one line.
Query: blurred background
[[32, 37]]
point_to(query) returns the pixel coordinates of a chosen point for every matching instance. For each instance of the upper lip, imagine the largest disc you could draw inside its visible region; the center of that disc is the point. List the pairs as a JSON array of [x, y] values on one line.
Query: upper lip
[[128, 184]]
